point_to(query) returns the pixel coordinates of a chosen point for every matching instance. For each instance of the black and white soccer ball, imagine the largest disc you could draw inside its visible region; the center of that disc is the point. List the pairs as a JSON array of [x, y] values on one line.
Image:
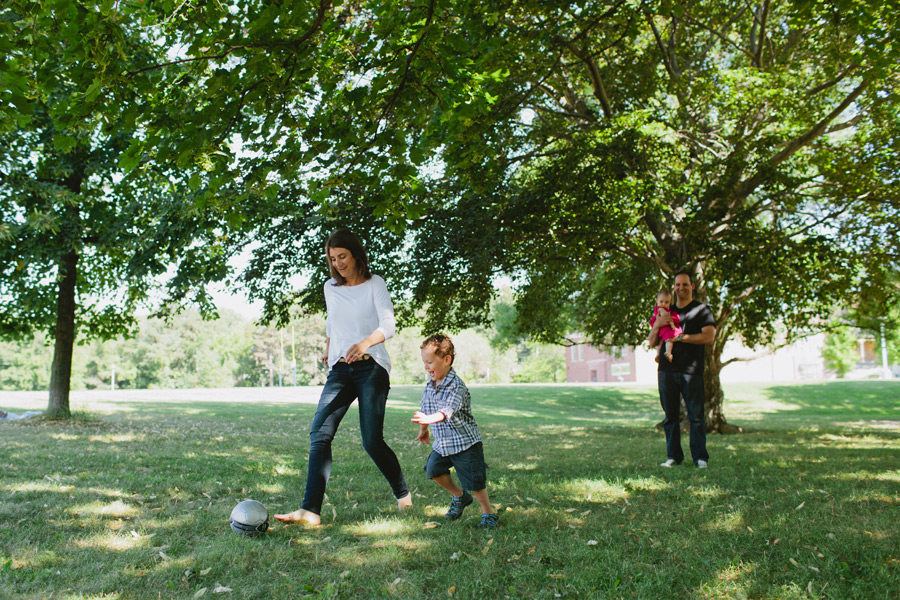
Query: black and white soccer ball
[[249, 517]]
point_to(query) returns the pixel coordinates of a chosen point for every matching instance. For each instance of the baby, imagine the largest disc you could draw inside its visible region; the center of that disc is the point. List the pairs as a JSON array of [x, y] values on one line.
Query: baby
[[668, 333]]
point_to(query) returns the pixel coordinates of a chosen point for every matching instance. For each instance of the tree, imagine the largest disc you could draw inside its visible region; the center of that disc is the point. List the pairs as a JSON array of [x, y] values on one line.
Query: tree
[[86, 238], [756, 145], [23, 365], [588, 149], [841, 351]]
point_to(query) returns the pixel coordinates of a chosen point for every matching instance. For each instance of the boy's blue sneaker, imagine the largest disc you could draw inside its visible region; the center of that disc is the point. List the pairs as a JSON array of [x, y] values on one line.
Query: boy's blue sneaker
[[457, 505], [489, 521]]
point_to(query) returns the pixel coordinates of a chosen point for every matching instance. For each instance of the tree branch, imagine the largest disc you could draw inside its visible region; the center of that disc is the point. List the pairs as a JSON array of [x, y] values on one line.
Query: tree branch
[[746, 187], [667, 60], [820, 127], [409, 60], [324, 6], [596, 78], [828, 84], [237, 112], [721, 35], [761, 40]]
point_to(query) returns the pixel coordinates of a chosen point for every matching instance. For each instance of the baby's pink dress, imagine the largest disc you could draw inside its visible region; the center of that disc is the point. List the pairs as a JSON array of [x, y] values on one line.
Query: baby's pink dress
[[669, 331]]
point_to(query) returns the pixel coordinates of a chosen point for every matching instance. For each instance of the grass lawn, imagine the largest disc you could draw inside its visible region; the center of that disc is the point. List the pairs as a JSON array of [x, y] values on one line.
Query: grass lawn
[[132, 498]]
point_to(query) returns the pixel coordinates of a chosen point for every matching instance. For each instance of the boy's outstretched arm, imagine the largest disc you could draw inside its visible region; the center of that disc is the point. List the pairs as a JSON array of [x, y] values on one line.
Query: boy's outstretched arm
[[423, 419]]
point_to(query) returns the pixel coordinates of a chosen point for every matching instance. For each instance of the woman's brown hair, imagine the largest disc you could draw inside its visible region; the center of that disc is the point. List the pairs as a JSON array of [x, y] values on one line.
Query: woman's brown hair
[[344, 238]]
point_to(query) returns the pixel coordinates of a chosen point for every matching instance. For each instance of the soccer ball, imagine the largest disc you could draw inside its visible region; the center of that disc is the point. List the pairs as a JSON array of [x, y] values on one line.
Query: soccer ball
[[249, 517]]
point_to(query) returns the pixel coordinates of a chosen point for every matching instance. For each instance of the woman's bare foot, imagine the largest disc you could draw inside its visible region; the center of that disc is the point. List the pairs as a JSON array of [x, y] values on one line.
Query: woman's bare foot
[[301, 515], [404, 502]]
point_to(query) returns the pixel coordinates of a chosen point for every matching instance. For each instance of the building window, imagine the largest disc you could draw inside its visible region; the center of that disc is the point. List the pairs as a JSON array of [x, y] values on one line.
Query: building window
[[576, 353]]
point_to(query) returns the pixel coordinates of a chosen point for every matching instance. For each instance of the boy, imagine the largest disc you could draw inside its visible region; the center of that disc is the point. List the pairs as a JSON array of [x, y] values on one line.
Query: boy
[[447, 406]]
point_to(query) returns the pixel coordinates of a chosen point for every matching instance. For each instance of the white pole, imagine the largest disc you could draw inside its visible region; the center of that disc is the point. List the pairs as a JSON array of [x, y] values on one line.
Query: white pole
[[885, 369], [114, 378]]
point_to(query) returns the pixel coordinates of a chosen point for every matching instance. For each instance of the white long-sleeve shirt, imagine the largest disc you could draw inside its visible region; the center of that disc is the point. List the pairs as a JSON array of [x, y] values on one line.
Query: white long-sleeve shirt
[[354, 313]]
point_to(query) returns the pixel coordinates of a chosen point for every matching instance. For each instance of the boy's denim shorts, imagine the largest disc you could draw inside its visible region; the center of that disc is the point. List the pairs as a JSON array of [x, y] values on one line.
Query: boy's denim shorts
[[469, 464]]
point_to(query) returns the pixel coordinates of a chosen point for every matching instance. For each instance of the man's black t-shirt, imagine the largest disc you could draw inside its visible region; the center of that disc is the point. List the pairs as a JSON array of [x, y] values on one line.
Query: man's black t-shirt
[[687, 358]]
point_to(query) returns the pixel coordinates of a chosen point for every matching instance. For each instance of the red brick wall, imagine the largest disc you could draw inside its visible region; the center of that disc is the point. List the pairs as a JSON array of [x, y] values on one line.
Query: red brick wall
[[585, 364]]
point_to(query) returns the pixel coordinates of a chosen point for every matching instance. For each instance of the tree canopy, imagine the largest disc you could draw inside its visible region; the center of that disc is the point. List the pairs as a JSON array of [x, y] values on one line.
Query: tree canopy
[[87, 241], [586, 149], [604, 146]]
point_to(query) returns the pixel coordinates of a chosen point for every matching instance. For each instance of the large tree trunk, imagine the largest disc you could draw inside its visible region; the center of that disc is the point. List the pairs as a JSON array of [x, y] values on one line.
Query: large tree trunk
[[61, 370], [714, 398]]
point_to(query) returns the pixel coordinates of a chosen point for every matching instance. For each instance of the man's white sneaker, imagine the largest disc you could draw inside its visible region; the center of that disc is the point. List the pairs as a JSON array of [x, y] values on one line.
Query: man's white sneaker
[[702, 464], [668, 463]]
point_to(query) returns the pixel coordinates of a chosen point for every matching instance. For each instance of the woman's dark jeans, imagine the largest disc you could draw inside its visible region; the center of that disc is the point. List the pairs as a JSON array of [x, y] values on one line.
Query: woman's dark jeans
[[368, 381]]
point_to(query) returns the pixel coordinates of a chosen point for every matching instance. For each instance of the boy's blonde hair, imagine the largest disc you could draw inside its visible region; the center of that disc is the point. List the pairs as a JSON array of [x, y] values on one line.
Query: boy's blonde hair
[[664, 292], [443, 346]]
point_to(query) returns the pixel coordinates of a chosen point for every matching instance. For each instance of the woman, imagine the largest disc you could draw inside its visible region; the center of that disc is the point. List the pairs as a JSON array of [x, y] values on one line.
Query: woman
[[360, 318]]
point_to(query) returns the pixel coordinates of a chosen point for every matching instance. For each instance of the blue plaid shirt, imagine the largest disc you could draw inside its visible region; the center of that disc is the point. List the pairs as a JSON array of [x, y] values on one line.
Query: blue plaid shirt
[[458, 430]]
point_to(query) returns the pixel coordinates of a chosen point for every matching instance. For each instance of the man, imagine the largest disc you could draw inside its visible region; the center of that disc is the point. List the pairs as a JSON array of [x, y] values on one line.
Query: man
[[683, 375]]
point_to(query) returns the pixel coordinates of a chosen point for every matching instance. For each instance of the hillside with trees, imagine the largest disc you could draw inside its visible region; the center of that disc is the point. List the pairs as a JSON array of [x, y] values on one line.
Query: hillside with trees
[[190, 352]]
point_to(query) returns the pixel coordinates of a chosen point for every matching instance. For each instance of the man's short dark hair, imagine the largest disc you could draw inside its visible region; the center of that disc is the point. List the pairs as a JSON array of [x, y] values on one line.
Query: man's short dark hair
[[685, 272]]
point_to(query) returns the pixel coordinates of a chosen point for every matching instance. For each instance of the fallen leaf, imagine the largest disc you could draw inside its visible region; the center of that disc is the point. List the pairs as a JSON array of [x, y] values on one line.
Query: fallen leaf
[[592, 542], [200, 592], [816, 569], [809, 588], [801, 505], [750, 529], [585, 513], [556, 576], [206, 571], [163, 556], [487, 547], [571, 510], [454, 556], [530, 550], [431, 525], [794, 562], [345, 574], [398, 580], [775, 543], [450, 590]]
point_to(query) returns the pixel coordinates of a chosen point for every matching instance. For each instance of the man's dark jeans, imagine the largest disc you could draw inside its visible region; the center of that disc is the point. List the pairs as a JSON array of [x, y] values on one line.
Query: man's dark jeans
[[672, 386], [368, 381]]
